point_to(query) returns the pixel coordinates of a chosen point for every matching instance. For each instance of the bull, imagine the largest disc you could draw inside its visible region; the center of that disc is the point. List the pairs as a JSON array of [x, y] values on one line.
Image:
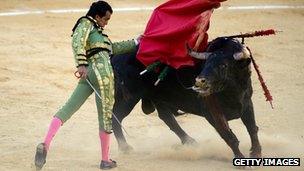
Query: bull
[[221, 91]]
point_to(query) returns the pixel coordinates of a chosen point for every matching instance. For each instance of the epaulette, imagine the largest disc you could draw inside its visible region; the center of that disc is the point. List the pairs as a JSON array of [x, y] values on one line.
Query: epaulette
[[90, 19]]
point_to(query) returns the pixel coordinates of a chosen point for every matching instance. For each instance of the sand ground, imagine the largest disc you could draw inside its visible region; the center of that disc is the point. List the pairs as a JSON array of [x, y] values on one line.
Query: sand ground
[[36, 78]]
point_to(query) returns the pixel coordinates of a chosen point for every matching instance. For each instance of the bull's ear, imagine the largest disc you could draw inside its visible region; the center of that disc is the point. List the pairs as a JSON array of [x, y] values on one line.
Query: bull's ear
[[243, 63]]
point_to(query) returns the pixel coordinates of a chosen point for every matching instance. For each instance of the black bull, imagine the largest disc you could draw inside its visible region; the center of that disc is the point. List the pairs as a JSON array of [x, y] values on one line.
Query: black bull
[[222, 91]]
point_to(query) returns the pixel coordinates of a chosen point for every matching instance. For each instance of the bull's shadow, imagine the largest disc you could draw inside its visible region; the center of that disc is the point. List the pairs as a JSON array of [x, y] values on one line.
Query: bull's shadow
[[221, 91]]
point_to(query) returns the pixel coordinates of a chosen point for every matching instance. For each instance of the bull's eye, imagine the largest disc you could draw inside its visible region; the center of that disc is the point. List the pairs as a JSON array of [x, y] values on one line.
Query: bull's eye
[[223, 66]]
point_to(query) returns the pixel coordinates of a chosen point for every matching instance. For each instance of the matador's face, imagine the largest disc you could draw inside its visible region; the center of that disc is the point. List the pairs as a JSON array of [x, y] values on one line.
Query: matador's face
[[103, 21]]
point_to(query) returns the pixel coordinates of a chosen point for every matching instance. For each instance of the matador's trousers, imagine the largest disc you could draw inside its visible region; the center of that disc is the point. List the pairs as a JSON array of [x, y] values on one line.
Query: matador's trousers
[[101, 76]]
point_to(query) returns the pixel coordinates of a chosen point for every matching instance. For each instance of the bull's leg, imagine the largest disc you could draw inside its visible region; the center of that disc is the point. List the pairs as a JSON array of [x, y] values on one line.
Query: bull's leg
[[222, 127], [217, 119], [249, 121], [121, 109], [147, 105], [165, 114]]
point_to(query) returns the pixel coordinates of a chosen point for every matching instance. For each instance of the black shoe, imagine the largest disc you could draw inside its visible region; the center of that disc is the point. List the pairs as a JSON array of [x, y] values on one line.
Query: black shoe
[[40, 157], [105, 165]]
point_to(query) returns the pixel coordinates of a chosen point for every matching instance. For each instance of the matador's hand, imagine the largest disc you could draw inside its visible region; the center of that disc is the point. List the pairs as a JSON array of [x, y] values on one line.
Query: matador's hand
[[138, 39], [82, 71]]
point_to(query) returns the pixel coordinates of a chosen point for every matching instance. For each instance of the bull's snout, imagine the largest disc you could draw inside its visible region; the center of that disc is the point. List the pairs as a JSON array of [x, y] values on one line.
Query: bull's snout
[[202, 86], [200, 82]]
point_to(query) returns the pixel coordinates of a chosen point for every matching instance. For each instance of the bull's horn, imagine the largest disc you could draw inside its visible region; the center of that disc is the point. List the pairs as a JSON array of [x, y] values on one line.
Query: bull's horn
[[242, 55], [197, 55]]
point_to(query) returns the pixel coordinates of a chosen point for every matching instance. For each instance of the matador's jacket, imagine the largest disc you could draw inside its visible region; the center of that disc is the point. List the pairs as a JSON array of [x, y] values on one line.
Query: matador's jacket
[[93, 49]]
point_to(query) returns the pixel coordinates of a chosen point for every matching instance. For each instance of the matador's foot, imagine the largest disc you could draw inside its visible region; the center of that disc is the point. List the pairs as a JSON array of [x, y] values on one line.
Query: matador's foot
[[106, 165], [40, 157]]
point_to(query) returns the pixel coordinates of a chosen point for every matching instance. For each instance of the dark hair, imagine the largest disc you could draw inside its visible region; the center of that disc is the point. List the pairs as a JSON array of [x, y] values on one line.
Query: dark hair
[[99, 8]]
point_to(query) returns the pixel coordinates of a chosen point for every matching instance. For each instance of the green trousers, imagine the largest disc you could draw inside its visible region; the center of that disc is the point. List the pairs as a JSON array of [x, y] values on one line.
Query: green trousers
[[101, 76]]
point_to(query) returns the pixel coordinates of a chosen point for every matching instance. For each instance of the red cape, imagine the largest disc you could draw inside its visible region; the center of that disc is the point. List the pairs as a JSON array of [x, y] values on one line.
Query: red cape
[[171, 26]]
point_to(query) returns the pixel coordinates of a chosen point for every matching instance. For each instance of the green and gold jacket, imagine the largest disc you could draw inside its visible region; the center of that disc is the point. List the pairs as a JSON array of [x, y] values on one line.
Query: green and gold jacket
[[89, 39]]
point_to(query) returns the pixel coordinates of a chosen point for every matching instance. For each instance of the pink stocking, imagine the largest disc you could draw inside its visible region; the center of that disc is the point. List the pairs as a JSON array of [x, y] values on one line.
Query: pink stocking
[[53, 128], [105, 145]]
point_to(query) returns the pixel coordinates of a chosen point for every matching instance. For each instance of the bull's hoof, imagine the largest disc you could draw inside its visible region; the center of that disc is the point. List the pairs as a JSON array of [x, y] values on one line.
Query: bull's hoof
[[255, 155], [126, 148], [189, 141], [256, 152]]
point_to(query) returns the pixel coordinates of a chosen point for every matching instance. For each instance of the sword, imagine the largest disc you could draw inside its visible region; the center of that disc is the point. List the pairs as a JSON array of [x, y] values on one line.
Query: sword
[[96, 92]]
